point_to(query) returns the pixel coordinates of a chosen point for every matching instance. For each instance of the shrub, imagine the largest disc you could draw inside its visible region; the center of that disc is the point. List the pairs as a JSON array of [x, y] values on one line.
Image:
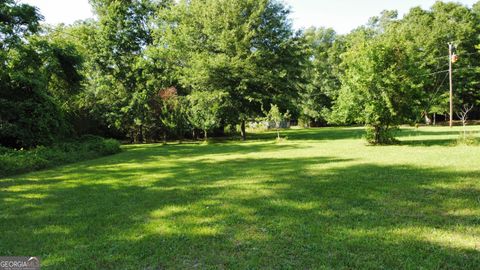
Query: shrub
[[380, 135], [5, 150], [109, 147], [87, 147]]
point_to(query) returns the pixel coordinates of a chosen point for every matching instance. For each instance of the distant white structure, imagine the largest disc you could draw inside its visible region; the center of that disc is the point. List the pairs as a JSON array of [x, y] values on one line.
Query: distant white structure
[[268, 124]]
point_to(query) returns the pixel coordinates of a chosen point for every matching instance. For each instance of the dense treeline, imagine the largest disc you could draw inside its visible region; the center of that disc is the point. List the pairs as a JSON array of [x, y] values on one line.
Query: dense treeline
[[151, 70]]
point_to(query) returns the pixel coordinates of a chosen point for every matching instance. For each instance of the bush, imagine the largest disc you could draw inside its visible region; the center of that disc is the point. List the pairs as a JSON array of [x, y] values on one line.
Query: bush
[[109, 147], [88, 147], [381, 135], [5, 150]]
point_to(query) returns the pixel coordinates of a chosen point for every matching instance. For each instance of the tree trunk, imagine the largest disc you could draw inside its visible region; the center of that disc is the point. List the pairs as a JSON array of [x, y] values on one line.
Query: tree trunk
[[132, 137], [278, 134], [206, 134], [242, 130], [180, 135], [164, 136], [140, 133], [434, 119], [428, 121]]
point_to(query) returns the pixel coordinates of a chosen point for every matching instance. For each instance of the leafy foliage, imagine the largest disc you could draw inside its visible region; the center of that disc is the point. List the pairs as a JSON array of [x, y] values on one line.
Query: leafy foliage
[[174, 115], [226, 60], [395, 69], [205, 109], [246, 49], [375, 89], [87, 147], [274, 115], [322, 75], [33, 74]]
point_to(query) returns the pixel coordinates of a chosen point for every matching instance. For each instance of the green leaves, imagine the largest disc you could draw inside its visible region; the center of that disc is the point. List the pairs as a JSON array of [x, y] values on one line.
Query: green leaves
[[244, 48], [322, 75], [226, 60], [16, 22], [37, 76], [374, 91], [395, 69], [205, 109]]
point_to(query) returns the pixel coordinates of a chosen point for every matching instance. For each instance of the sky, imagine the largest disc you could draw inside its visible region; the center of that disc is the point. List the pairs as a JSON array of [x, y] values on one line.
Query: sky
[[341, 15]]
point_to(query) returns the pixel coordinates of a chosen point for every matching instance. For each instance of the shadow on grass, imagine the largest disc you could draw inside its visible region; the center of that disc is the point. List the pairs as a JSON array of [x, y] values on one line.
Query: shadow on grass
[[275, 213], [427, 138], [411, 137], [199, 149], [407, 136], [427, 143], [312, 134]]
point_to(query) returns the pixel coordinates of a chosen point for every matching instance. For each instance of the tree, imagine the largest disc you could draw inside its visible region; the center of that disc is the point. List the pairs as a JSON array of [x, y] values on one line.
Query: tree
[[426, 34], [376, 89], [439, 105], [62, 54], [463, 115], [173, 112], [205, 109], [274, 115], [120, 86], [33, 74], [241, 47], [84, 108], [322, 74]]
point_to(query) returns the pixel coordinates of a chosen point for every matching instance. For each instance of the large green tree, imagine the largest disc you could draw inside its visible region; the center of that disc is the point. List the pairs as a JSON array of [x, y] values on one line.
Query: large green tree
[[35, 74], [396, 69], [119, 85], [427, 34], [245, 48], [322, 75], [205, 109], [377, 89]]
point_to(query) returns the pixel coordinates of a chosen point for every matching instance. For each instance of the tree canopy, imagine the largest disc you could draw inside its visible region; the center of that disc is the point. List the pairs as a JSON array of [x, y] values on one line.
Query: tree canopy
[[147, 70]]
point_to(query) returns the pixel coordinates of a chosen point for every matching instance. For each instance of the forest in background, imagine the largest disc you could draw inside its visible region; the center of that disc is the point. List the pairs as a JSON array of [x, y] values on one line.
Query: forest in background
[[153, 70]]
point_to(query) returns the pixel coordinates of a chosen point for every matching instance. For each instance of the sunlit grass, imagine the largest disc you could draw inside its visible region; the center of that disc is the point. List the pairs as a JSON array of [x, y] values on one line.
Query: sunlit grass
[[321, 199]]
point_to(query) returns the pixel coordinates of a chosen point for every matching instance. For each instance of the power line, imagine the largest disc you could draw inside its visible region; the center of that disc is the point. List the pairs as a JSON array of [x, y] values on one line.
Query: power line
[[430, 74], [442, 71], [438, 89]]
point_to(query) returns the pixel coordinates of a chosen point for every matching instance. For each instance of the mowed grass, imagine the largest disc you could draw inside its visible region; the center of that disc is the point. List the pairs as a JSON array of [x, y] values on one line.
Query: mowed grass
[[321, 199]]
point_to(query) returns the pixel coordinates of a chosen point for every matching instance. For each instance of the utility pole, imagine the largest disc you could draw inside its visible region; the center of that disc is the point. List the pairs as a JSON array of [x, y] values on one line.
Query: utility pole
[[450, 62]]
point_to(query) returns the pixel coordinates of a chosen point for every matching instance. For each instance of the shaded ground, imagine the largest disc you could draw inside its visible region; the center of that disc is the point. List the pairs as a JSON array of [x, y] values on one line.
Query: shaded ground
[[322, 199]]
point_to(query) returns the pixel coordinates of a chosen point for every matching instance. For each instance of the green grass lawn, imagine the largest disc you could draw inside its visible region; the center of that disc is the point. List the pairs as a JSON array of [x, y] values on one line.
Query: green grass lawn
[[322, 199]]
